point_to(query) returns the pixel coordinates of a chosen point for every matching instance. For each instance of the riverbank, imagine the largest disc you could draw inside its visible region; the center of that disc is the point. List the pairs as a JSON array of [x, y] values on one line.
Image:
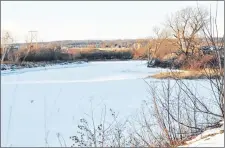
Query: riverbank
[[189, 74], [13, 65]]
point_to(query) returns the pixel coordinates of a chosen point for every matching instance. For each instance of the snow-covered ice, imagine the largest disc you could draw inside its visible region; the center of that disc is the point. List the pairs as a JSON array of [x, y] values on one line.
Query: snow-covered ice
[[52, 99]]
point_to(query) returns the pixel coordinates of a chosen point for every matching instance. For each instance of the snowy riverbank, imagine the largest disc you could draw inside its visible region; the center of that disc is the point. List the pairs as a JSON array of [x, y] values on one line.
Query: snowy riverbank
[[209, 138]]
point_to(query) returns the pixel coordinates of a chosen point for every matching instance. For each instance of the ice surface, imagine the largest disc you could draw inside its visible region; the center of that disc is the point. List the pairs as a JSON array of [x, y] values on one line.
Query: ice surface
[[52, 99]]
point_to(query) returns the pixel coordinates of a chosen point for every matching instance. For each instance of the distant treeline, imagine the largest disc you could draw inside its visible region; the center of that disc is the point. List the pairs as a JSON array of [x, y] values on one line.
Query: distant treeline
[[52, 55]]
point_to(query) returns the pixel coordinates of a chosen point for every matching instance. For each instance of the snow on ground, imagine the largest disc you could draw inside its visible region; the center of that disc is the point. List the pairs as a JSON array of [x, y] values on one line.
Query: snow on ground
[[209, 138]]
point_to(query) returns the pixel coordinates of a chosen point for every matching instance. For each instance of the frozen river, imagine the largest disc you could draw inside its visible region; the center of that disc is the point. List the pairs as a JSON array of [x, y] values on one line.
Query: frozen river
[[45, 101]]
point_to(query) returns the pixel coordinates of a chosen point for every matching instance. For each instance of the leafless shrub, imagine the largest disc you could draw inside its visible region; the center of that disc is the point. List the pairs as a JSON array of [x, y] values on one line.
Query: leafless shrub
[[105, 134]]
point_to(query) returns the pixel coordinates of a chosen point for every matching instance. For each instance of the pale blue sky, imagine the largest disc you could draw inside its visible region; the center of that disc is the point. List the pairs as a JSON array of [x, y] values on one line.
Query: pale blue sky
[[73, 20]]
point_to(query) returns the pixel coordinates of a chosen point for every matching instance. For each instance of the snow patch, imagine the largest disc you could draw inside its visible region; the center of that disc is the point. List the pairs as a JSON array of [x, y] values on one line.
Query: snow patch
[[209, 138]]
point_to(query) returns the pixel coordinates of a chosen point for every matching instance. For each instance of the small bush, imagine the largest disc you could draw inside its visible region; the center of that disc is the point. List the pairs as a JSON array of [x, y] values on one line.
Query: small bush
[[206, 61]]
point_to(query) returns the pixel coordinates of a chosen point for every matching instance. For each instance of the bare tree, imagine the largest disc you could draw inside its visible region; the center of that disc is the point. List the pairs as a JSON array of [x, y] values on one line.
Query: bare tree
[[160, 36], [6, 43], [185, 26], [187, 113], [28, 49], [211, 36]]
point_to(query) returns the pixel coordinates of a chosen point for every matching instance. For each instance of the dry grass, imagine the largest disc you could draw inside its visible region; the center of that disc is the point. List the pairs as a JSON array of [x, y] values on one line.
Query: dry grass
[[191, 74]]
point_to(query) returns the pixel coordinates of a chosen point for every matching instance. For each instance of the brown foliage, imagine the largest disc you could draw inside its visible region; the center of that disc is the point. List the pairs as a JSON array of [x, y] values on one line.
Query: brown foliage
[[197, 62], [140, 53], [168, 46]]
